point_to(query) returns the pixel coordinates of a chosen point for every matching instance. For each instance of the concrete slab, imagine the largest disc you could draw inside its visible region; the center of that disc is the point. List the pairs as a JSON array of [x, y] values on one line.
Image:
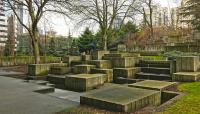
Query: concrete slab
[[186, 76], [17, 97], [121, 98], [153, 85]]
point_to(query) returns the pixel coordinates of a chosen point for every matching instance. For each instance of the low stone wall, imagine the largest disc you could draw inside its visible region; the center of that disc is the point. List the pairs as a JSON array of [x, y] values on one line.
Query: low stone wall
[[183, 48], [84, 82], [25, 60]]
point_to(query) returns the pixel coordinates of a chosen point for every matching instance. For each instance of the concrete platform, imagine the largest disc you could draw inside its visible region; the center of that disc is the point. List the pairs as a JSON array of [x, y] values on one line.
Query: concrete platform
[[84, 82], [17, 97], [153, 85], [121, 98], [186, 76]]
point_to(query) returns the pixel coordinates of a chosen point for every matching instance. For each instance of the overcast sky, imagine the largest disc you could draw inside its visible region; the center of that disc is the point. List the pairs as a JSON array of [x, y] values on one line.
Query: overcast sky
[[62, 26]]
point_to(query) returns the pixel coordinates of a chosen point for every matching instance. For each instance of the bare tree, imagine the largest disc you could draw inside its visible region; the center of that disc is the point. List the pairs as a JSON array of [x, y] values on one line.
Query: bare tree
[[104, 13], [146, 9], [35, 9]]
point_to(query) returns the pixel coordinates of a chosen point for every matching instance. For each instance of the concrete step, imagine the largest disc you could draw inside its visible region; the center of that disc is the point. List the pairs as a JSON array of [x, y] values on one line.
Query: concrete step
[[45, 89], [59, 81], [152, 76], [51, 85], [41, 82], [153, 65], [155, 70]]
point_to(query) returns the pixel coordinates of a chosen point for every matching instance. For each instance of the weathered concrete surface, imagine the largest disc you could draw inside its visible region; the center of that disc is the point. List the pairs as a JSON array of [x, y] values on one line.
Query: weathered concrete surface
[[83, 69], [109, 72], [17, 97], [102, 64], [153, 85], [187, 64], [186, 76], [121, 98], [84, 82]]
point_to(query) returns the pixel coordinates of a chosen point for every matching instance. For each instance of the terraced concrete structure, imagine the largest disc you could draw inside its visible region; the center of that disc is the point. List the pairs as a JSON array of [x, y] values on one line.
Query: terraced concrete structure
[[153, 85], [84, 82], [121, 98]]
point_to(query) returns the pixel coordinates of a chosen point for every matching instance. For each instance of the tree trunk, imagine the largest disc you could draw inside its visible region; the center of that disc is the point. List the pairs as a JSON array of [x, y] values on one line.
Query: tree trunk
[[36, 50], [105, 48]]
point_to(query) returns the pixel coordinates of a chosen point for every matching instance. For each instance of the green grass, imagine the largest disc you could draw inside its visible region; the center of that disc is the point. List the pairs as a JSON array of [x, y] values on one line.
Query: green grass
[[153, 58], [190, 103]]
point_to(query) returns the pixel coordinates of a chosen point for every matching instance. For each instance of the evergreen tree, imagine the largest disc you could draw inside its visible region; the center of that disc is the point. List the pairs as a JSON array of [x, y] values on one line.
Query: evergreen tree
[[87, 41]]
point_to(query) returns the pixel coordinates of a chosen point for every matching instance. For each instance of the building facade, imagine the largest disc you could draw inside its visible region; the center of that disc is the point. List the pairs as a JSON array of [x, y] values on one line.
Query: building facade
[[3, 28]]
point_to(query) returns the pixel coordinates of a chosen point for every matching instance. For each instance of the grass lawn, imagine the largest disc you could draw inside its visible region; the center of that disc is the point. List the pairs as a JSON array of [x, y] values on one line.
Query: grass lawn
[[188, 104], [154, 58]]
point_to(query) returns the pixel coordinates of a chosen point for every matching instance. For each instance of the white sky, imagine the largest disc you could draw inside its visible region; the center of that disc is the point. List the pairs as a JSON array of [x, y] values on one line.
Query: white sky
[[62, 27]]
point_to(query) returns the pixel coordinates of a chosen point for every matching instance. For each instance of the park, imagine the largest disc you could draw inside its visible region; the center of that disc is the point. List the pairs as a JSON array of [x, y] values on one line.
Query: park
[[122, 57]]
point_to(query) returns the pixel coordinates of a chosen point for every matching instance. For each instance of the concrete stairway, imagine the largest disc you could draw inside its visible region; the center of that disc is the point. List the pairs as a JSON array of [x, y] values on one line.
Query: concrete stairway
[[155, 70]]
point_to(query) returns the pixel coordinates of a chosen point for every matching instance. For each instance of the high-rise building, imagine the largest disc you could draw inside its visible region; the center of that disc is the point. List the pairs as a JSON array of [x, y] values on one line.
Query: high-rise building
[[3, 27], [21, 16], [11, 44], [160, 16]]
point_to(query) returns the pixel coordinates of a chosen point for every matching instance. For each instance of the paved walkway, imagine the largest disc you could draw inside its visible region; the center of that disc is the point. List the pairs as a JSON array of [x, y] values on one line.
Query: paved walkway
[[17, 97]]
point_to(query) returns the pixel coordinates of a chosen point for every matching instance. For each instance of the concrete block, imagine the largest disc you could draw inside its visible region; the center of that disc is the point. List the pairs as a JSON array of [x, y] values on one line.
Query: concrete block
[[186, 76], [187, 64], [103, 64], [60, 70], [69, 59], [99, 54], [38, 69], [86, 57], [125, 72], [84, 82], [121, 98], [108, 72], [122, 62], [83, 69], [59, 64]]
